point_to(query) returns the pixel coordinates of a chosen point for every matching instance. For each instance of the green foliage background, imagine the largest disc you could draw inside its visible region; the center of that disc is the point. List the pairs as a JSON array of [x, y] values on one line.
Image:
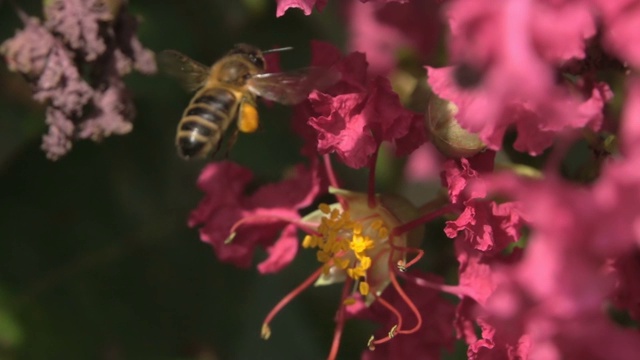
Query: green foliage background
[[96, 260]]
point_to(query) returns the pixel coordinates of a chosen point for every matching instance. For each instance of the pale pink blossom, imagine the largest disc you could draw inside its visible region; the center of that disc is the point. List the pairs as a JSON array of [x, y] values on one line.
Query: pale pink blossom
[[79, 35]]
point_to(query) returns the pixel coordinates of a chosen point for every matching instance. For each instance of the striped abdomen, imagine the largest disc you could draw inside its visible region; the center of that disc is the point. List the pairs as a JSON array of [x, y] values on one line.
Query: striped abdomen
[[204, 121]]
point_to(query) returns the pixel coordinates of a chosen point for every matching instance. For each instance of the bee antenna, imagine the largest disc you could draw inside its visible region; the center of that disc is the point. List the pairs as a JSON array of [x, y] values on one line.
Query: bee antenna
[[278, 49]]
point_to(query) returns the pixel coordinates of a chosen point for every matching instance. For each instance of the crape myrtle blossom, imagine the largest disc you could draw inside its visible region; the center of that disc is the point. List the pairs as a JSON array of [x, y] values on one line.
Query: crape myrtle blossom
[[235, 224], [619, 33], [90, 35], [486, 225], [381, 29], [544, 293], [552, 301], [353, 117], [365, 241], [508, 54], [582, 256], [538, 119]]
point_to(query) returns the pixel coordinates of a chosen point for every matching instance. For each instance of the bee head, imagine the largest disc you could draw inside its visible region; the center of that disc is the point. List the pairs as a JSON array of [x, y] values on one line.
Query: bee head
[[252, 53]]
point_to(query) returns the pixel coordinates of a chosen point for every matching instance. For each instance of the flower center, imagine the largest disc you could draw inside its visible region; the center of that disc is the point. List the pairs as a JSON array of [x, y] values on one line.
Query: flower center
[[346, 243]]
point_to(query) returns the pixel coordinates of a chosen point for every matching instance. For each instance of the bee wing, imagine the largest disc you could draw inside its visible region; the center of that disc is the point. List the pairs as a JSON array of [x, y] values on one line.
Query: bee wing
[[292, 87], [189, 72]]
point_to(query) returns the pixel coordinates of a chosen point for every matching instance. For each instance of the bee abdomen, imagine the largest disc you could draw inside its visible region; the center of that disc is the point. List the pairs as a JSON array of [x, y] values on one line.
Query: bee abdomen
[[204, 121], [217, 99], [189, 147]]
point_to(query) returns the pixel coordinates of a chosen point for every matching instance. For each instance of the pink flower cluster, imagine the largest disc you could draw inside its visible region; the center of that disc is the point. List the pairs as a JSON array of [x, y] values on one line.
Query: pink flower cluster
[[95, 36], [544, 253]]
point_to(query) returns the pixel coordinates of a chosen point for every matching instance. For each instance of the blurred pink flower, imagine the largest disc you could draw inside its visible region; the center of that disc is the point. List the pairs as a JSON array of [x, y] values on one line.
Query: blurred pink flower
[[77, 21], [235, 224], [538, 115], [507, 53], [113, 111], [523, 37], [620, 28], [380, 29], [305, 5], [626, 295], [423, 164], [79, 35], [555, 294], [630, 128]]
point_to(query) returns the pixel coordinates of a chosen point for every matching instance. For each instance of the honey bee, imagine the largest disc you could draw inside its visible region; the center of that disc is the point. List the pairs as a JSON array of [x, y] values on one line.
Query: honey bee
[[227, 92]]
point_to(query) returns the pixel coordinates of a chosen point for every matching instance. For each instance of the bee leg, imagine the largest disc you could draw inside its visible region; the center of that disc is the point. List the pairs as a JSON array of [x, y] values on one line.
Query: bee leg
[[248, 120], [230, 143]]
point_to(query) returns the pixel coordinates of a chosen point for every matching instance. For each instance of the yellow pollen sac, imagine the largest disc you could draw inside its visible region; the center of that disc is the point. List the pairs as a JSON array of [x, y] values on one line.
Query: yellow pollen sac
[[349, 301], [364, 288], [365, 262], [310, 241], [376, 224], [324, 208], [344, 244]]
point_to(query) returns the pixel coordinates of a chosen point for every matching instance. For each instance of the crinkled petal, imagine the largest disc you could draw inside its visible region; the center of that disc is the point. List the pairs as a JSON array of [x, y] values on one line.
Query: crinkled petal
[[259, 219]]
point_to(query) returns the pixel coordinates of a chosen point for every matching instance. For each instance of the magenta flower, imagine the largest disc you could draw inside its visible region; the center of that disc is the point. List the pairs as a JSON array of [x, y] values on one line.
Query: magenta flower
[[235, 224], [499, 46], [538, 117], [79, 34], [620, 20], [305, 5], [381, 29], [539, 257], [485, 225], [355, 116]]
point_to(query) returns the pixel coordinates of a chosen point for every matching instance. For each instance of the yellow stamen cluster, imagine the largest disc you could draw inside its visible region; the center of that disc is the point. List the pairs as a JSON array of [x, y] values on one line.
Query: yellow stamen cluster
[[341, 243]]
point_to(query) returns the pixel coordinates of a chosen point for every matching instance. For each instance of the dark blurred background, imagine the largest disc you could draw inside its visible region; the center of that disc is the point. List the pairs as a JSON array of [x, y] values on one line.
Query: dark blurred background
[[96, 259]]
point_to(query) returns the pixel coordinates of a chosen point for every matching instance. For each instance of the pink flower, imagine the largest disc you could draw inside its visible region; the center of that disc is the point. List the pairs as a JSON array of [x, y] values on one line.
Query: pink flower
[[621, 18], [489, 33], [553, 297], [630, 131], [114, 108], [78, 22], [305, 5], [27, 52], [363, 243], [79, 35], [627, 289], [235, 224], [380, 29], [507, 54], [356, 115], [486, 225], [423, 164], [538, 116]]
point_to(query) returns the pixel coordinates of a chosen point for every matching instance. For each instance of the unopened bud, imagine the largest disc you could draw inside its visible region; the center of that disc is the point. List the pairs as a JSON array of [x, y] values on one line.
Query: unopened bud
[[446, 133]]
